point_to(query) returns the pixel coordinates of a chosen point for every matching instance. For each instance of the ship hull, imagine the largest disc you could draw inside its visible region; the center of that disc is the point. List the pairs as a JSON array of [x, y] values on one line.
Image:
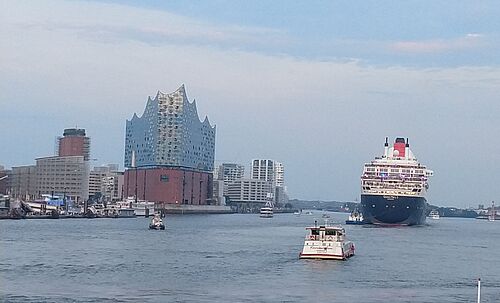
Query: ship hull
[[393, 210]]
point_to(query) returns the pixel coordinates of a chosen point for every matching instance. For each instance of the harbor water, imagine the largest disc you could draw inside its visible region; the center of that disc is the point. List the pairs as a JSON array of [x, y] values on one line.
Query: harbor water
[[243, 258]]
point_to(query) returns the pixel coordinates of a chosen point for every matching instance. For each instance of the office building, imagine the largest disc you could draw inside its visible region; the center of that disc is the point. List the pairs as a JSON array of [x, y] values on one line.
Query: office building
[[63, 176], [228, 173], [23, 183]]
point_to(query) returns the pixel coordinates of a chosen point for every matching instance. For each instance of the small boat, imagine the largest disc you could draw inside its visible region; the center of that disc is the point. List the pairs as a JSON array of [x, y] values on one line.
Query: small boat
[[156, 223], [326, 242], [297, 213], [434, 214], [355, 218], [266, 212], [326, 216]]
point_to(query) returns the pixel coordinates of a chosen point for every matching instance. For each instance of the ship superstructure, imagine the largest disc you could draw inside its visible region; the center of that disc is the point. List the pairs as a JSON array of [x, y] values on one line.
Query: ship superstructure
[[393, 187]]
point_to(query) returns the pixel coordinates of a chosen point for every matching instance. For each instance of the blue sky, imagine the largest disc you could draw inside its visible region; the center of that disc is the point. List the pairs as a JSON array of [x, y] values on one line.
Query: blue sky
[[314, 84]]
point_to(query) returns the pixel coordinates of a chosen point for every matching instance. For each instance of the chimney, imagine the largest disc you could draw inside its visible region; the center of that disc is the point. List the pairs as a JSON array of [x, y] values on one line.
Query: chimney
[[386, 147]]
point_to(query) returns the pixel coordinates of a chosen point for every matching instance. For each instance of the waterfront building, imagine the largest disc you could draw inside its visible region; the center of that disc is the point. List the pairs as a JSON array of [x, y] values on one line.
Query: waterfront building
[[107, 182], [249, 195], [112, 186], [250, 190], [65, 176], [273, 172], [74, 142], [228, 173], [279, 174], [263, 169], [169, 152], [218, 192], [23, 182]]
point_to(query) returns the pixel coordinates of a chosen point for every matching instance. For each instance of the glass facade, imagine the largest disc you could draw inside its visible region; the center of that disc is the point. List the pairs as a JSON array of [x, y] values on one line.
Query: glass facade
[[170, 134]]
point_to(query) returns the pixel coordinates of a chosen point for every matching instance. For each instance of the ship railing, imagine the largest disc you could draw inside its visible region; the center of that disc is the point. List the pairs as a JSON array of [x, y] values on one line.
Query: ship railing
[[386, 192]]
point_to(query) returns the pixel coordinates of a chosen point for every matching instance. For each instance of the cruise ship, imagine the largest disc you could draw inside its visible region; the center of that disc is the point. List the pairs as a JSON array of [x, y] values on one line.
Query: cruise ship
[[393, 187]]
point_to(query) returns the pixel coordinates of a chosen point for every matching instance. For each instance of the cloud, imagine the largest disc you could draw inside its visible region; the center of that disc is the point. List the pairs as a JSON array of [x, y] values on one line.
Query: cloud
[[94, 65], [115, 23], [469, 41]]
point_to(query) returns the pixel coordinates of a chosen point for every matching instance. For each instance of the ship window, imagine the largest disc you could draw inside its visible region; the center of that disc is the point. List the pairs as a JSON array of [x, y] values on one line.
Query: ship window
[[315, 232]]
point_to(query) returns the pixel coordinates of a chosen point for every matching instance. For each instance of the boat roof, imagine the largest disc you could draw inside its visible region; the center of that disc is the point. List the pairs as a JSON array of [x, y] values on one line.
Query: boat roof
[[335, 227]]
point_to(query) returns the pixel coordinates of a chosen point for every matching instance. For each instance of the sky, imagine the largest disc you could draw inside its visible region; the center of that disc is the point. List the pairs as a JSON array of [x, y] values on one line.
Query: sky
[[316, 85]]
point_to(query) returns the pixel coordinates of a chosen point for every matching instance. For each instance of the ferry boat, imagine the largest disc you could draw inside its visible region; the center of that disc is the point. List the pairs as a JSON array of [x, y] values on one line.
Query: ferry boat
[[156, 223], [393, 187], [355, 218], [434, 214], [326, 242], [141, 208], [267, 211]]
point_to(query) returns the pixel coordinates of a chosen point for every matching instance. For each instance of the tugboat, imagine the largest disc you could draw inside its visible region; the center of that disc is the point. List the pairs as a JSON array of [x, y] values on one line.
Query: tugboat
[[326, 242], [156, 223], [355, 218]]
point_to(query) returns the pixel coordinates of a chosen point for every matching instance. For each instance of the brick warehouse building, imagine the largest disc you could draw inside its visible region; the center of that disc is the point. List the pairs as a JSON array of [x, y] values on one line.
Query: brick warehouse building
[[169, 152]]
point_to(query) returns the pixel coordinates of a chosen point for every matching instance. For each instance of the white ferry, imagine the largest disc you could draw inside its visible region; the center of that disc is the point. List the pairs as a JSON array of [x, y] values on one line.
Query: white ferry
[[267, 211], [434, 214], [326, 242], [141, 208]]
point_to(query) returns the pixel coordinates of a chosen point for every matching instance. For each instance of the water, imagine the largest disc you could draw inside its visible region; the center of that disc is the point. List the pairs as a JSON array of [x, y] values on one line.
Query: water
[[243, 258]]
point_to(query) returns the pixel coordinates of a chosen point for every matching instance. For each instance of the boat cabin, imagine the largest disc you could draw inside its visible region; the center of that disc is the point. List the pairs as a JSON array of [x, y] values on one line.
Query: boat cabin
[[325, 233]]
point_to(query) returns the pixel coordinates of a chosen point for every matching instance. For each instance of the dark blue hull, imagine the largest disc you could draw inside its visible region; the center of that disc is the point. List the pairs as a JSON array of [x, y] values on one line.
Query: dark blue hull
[[393, 210], [354, 222]]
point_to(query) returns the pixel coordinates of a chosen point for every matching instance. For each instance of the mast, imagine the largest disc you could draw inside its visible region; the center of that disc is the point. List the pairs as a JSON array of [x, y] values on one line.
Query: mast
[[135, 168]]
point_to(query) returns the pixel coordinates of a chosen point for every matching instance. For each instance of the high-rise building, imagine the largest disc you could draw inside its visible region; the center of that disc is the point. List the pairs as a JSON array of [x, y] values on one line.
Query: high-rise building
[[65, 176], [274, 172], [74, 142], [279, 174], [229, 172], [263, 169], [169, 152], [269, 170]]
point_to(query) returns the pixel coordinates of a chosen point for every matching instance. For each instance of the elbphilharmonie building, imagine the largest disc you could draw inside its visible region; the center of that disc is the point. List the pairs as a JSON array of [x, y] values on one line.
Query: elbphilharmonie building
[[169, 152]]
